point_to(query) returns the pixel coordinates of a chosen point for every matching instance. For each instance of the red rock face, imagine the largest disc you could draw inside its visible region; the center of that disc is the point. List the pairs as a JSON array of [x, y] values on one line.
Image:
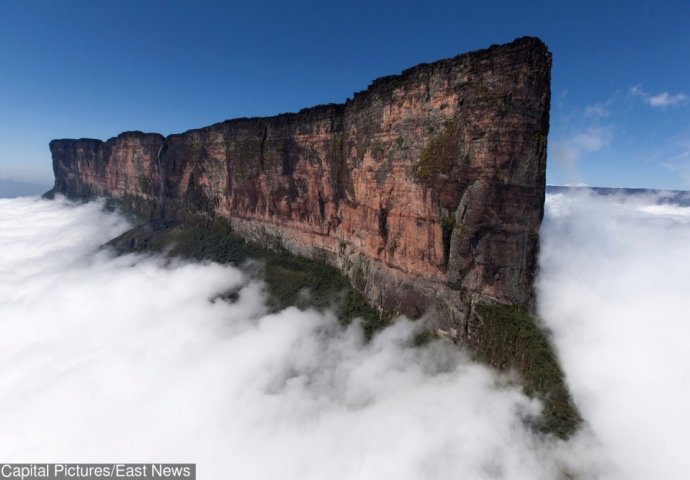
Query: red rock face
[[426, 189]]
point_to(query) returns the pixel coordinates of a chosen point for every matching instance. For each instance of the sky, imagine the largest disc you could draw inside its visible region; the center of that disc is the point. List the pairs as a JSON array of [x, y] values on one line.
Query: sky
[[620, 114]]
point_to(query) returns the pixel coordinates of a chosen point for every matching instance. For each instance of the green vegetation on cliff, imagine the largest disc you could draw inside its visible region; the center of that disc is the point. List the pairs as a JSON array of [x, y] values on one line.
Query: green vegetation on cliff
[[511, 338], [440, 155]]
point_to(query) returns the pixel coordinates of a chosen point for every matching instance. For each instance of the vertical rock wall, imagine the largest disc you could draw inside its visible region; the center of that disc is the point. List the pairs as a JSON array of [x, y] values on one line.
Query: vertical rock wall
[[426, 189]]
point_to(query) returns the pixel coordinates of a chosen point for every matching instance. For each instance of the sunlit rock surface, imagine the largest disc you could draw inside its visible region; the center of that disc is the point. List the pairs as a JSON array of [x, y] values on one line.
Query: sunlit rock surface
[[426, 189]]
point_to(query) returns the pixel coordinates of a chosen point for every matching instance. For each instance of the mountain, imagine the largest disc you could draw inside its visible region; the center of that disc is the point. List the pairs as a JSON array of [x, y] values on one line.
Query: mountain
[[426, 191]]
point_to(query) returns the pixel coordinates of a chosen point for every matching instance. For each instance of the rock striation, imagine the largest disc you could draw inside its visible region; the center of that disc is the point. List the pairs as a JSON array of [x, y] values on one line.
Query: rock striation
[[426, 189]]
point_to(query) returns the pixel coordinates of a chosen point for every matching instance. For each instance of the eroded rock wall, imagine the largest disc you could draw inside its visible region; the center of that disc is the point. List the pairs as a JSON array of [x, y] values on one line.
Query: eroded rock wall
[[426, 189]]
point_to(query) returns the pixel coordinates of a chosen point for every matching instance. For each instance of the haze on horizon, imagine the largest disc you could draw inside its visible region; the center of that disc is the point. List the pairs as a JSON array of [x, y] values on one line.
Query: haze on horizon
[[620, 113]]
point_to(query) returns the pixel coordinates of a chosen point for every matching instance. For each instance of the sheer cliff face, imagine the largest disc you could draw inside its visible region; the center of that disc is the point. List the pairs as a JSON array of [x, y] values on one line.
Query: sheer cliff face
[[426, 189]]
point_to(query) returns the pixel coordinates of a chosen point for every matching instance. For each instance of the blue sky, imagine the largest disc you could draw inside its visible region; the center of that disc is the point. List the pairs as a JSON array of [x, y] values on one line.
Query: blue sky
[[620, 113]]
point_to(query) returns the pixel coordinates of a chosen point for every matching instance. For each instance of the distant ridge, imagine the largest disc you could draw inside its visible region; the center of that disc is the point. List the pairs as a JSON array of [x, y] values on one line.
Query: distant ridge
[[679, 197]]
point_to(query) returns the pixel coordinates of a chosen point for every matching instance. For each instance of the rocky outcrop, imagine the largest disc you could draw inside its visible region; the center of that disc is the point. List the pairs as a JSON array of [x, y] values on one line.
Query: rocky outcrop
[[426, 189]]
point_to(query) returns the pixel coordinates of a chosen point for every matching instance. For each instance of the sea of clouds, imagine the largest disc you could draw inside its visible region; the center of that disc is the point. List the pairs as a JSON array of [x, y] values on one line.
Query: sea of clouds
[[139, 359], [614, 288]]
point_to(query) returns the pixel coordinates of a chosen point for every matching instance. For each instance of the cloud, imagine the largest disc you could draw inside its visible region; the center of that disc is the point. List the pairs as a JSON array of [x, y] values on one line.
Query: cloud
[[137, 359], [661, 100], [592, 139], [665, 99], [613, 289], [596, 110], [569, 150]]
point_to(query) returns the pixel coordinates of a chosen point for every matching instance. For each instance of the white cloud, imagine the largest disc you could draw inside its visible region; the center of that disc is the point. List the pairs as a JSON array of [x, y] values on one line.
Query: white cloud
[[637, 91], [592, 139], [569, 151], [613, 288], [130, 359], [665, 99], [581, 184], [662, 100], [596, 110]]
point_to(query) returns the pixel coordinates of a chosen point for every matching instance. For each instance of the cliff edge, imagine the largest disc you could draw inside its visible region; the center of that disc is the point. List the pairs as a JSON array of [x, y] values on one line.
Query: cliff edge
[[426, 190]]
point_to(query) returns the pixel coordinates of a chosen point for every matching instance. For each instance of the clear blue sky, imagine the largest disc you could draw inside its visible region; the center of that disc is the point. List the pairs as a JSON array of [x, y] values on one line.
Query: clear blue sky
[[620, 111]]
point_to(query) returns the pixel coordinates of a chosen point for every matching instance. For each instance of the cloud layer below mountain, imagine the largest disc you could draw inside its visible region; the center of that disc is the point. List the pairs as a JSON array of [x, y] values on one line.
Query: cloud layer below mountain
[[140, 359], [613, 288]]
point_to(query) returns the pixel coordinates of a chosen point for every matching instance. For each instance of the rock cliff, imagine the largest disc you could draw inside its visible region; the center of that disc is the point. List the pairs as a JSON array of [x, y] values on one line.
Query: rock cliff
[[426, 190]]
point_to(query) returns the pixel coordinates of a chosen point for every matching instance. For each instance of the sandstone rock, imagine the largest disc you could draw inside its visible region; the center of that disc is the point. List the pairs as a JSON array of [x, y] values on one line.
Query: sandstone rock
[[426, 189]]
